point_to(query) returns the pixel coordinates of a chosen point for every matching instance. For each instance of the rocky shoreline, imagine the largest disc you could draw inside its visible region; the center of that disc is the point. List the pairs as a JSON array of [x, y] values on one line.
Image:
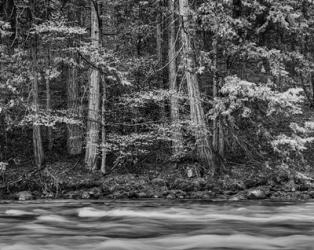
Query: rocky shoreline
[[142, 187]]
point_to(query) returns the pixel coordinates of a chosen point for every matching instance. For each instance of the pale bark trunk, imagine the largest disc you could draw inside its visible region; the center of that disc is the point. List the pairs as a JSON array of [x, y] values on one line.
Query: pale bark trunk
[[37, 140], [215, 92], [218, 133], [92, 141], [103, 130], [221, 140], [159, 38], [74, 140], [174, 102], [160, 57], [48, 110], [203, 145], [310, 79]]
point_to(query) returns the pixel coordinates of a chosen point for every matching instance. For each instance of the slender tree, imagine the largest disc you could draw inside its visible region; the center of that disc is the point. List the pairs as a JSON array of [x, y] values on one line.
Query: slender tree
[[103, 129], [218, 133], [48, 100], [92, 141], [159, 35], [74, 139], [203, 145], [37, 140], [174, 102]]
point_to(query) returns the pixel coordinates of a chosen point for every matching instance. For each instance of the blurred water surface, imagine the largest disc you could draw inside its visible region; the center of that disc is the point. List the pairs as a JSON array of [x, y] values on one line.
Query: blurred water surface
[[155, 225]]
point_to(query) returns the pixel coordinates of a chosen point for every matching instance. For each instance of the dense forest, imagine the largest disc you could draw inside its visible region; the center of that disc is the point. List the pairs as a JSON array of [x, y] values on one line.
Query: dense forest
[[192, 97]]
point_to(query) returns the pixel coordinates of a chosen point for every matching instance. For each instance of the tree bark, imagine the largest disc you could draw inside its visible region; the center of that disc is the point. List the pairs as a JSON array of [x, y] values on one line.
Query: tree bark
[[103, 130], [48, 110], [92, 141], [160, 57], [203, 145], [215, 92], [37, 140], [159, 37], [174, 102], [74, 140], [218, 133], [48, 100]]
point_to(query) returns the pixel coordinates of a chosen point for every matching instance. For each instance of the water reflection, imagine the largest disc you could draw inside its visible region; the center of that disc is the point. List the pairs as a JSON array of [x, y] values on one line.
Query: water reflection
[[155, 225]]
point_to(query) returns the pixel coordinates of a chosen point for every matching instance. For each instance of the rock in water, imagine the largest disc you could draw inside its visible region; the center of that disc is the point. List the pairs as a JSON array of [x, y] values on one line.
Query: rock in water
[[256, 194], [24, 196]]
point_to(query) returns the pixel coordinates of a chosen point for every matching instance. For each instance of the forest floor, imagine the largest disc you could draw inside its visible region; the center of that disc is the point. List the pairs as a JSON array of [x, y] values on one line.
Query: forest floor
[[70, 180]]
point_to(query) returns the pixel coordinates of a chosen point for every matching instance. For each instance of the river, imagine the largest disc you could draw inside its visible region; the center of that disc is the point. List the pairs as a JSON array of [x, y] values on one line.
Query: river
[[155, 225]]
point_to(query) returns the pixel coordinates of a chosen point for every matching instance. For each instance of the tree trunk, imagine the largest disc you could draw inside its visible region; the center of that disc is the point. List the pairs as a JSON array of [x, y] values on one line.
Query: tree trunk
[[92, 141], [48, 100], [174, 102], [215, 93], [37, 140], [218, 134], [159, 38], [48, 110], [160, 58], [203, 145], [312, 88], [103, 129], [74, 140]]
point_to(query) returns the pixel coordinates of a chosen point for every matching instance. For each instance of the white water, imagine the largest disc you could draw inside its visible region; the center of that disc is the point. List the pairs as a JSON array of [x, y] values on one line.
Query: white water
[[155, 225]]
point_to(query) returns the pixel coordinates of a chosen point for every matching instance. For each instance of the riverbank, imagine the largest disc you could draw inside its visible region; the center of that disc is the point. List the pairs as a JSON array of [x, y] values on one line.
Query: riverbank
[[70, 180]]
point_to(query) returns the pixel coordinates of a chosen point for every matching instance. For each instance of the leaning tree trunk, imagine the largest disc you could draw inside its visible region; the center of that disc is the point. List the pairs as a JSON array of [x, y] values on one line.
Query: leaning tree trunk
[[174, 102], [37, 140], [74, 140], [92, 141], [203, 145]]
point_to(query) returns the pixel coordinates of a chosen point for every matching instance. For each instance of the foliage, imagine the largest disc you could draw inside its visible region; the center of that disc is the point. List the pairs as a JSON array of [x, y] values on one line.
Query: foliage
[[263, 65]]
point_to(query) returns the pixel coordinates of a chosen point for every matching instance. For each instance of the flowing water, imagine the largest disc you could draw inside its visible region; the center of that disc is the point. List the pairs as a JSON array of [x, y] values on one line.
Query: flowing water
[[155, 225]]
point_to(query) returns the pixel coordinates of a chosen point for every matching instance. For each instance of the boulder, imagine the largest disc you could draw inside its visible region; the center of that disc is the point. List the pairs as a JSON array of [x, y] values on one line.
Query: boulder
[[85, 195], [183, 184], [230, 192], [199, 184], [202, 195], [158, 182], [165, 193], [119, 195], [256, 194], [238, 197], [24, 196], [237, 186], [142, 195], [95, 193], [132, 195], [72, 195], [171, 196], [179, 194], [106, 190]]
